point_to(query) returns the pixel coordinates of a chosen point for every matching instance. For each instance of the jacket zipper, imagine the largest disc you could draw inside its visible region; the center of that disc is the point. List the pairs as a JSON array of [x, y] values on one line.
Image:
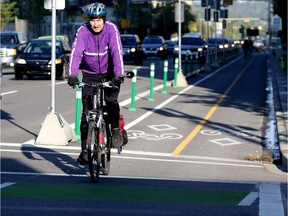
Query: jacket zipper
[[99, 54]]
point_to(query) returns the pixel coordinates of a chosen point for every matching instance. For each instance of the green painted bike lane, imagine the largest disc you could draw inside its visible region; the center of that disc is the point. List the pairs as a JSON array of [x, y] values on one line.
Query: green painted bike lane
[[99, 192]]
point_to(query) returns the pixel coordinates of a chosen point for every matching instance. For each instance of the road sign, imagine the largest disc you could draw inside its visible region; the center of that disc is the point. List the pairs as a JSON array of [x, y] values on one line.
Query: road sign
[[177, 17], [60, 4], [277, 23]]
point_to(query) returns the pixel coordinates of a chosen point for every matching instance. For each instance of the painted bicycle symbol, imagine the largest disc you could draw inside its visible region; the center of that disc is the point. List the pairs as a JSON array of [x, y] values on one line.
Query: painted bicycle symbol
[[246, 134], [137, 134]]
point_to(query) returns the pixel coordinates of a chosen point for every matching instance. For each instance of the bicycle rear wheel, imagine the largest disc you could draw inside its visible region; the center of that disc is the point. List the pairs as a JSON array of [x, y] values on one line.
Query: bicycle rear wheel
[[93, 156]]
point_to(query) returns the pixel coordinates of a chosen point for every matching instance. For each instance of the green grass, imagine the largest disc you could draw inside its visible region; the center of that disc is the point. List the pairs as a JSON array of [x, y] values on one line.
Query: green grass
[[121, 193]]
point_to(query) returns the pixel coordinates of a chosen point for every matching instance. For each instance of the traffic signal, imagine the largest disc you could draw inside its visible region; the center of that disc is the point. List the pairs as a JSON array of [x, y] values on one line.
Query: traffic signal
[[252, 32], [241, 29], [216, 16], [207, 14]]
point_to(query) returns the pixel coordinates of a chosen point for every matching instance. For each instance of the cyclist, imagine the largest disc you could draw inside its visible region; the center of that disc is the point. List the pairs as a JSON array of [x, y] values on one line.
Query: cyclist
[[97, 51]]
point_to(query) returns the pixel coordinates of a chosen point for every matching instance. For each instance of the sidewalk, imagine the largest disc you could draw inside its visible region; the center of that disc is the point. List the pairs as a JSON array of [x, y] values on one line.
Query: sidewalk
[[279, 79]]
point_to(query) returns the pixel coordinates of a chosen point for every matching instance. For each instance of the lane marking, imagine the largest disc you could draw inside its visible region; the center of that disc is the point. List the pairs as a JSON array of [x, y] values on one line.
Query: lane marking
[[270, 200], [146, 115], [141, 95], [224, 163], [126, 152], [10, 92], [249, 199], [198, 127], [6, 184]]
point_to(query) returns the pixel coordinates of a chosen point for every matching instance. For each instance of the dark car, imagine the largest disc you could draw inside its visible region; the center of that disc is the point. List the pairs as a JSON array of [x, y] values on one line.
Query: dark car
[[220, 43], [132, 48], [35, 59], [155, 46], [192, 47], [171, 44]]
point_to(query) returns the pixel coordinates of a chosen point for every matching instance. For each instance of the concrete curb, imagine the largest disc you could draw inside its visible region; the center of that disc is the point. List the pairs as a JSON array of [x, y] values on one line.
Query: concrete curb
[[279, 77]]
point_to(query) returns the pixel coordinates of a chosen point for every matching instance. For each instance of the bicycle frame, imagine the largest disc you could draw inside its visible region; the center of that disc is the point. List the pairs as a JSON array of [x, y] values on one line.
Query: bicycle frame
[[99, 135]]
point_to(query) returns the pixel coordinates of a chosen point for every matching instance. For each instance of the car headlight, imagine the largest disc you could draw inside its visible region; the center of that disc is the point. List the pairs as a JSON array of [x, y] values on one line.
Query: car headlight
[[11, 52], [221, 46], [226, 46], [133, 50], [161, 48], [176, 49], [199, 49], [20, 61], [57, 61]]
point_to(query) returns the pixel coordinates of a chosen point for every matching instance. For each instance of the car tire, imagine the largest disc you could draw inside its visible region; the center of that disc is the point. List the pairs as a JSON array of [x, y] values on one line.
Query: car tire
[[62, 75], [18, 75]]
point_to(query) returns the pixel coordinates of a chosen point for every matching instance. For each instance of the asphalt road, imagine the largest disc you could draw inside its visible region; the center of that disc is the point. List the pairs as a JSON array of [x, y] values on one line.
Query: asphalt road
[[187, 154]]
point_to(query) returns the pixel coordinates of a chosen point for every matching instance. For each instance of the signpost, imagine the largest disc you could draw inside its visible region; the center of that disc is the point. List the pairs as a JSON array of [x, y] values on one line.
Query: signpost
[[54, 130]]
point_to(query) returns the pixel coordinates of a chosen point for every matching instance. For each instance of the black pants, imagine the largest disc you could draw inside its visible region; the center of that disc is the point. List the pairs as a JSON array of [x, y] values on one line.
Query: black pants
[[111, 100]]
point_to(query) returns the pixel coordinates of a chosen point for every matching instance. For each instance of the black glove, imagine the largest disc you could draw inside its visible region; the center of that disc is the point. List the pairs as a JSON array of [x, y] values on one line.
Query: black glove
[[117, 80], [73, 81]]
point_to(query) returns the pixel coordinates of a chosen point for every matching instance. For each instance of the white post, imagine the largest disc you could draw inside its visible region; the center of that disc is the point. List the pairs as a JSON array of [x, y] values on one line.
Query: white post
[[179, 36], [53, 54]]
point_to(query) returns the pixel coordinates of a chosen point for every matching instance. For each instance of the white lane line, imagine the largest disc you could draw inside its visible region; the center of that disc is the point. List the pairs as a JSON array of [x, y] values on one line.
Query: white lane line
[[249, 199], [141, 95], [10, 92], [143, 158], [43, 174], [124, 153], [6, 184], [270, 200]]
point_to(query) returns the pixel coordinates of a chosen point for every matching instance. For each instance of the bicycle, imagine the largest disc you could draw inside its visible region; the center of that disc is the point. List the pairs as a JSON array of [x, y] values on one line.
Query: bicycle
[[99, 138]]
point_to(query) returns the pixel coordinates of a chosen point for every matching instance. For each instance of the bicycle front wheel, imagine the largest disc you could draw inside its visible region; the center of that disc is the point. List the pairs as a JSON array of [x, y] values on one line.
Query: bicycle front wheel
[[93, 156], [104, 139]]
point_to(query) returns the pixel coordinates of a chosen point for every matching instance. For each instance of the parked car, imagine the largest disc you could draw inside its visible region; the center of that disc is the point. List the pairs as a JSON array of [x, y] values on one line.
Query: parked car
[[10, 41], [132, 48], [155, 46], [35, 59], [171, 44], [192, 47]]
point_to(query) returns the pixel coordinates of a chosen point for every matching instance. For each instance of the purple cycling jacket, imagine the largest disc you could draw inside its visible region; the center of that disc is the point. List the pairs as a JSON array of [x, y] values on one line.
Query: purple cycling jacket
[[92, 51]]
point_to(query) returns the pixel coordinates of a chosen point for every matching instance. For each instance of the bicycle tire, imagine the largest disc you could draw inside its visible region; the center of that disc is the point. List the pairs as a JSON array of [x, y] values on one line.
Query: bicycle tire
[[93, 156], [106, 154]]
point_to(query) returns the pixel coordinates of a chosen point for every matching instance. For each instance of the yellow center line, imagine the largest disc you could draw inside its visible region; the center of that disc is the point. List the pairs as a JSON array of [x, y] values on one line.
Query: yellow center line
[[191, 136]]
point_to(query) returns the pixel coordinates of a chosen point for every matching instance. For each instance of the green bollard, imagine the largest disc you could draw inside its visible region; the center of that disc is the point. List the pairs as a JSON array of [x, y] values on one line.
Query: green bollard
[[133, 92], [164, 91], [176, 68], [78, 111], [152, 74]]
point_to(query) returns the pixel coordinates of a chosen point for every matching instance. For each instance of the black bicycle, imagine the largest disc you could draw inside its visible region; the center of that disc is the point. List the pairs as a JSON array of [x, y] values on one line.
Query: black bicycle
[[99, 138]]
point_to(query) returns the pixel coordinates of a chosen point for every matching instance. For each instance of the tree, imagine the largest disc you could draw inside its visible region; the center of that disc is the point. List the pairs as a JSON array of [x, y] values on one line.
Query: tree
[[8, 12]]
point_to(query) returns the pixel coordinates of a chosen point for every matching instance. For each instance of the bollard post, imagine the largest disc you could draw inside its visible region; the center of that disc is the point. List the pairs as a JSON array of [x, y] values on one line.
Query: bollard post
[[176, 68], [133, 90], [164, 91], [197, 63], [152, 74], [78, 111]]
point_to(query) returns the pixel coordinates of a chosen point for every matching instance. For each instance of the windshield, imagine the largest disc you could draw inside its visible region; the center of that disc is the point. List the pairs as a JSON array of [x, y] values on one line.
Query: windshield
[[152, 41], [40, 47], [128, 41], [8, 39], [192, 41]]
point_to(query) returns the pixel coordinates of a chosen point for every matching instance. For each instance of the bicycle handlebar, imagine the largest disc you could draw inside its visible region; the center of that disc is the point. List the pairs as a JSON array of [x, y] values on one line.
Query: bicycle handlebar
[[105, 84]]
